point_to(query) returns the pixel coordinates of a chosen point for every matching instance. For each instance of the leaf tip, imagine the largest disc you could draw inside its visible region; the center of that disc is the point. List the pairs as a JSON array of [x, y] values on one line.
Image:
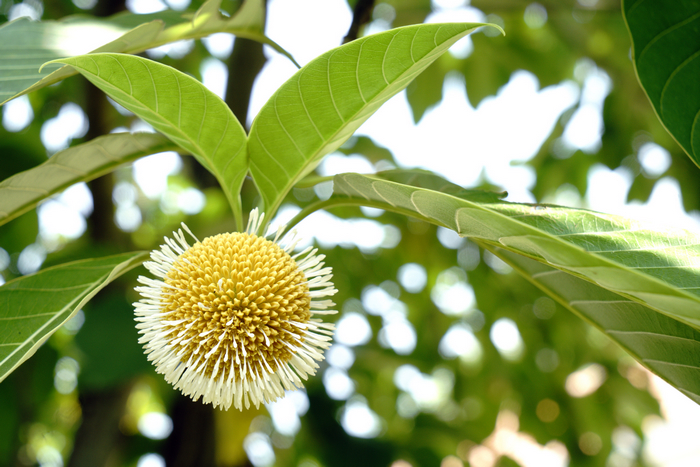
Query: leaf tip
[[58, 60], [500, 29]]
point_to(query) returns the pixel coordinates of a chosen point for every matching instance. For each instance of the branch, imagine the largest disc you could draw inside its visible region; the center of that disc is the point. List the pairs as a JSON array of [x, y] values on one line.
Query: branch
[[360, 16]]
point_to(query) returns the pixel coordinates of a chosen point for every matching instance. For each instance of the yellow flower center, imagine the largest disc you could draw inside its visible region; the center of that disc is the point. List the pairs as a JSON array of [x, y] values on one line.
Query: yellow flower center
[[233, 299]]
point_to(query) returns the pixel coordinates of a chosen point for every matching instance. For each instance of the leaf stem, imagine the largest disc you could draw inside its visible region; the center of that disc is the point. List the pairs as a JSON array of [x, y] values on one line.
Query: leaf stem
[[238, 213], [337, 202]]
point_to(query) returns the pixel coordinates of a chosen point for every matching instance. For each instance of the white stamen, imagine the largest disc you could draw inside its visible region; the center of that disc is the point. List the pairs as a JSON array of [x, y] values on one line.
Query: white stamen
[[170, 336]]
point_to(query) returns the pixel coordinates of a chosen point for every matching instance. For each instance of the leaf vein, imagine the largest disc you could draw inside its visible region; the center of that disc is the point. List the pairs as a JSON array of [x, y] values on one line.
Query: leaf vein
[[279, 121], [655, 334], [12, 318], [330, 89], [413, 40], [223, 135], [357, 73], [303, 104], [204, 115], [547, 273], [593, 302], [681, 365], [126, 75], [41, 328], [672, 76], [281, 166], [386, 51], [665, 32], [155, 89]]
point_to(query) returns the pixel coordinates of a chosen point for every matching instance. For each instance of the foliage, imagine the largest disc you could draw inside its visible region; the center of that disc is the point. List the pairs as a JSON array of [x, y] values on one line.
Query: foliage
[[665, 57], [130, 33], [35, 317], [636, 282]]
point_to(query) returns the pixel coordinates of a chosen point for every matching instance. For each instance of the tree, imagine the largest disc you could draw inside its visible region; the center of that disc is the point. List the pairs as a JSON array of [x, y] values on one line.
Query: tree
[[432, 385]]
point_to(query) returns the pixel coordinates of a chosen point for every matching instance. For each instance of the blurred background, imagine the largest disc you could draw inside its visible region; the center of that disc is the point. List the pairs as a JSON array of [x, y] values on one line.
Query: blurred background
[[443, 356]]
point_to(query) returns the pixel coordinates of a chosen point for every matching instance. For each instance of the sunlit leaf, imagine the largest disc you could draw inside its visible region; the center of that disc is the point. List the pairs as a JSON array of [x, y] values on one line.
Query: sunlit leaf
[[178, 106], [33, 307], [431, 181], [25, 44], [642, 267], [81, 163], [666, 54], [666, 346], [320, 107], [650, 264]]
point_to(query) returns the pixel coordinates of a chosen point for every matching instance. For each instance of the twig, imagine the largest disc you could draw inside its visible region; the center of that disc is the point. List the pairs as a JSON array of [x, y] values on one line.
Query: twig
[[360, 16]]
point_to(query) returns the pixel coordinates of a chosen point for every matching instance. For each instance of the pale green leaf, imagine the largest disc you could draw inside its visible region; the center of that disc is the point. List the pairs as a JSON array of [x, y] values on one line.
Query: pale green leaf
[[638, 283], [667, 347], [33, 307], [320, 107], [81, 163], [25, 44], [178, 106], [655, 266]]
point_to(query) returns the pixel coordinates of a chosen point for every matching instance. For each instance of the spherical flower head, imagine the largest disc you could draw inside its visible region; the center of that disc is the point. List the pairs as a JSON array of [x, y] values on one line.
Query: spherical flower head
[[233, 318]]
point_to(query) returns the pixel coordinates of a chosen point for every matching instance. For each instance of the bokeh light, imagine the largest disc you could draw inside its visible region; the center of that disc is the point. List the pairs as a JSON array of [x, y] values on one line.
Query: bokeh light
[[259, 450], [338, 384], [358, 420], [214, 75], [452, 294], [586, 380], [151, 460], [286, 412], [506, 338], [58, 132], [155, 425], [460, 341], [412, 277], [352, 329], [17, 114], [220, 45]]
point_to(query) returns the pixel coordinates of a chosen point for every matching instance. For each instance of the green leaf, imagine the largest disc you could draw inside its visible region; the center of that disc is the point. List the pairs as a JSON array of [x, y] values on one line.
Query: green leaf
[[666, 55], [82, 163], [321, 106], [248, 22], [667, 347], [178, 106], [33, 307], [649, 268], [651, 265], [426, 179], [25, 44]]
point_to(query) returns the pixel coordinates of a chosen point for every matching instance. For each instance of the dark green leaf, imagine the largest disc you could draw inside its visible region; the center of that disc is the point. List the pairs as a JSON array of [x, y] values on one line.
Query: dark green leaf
[[666, 54]]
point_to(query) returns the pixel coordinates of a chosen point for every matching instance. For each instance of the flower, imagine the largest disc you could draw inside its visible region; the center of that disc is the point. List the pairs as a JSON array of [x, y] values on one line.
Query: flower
[[232, 318]]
